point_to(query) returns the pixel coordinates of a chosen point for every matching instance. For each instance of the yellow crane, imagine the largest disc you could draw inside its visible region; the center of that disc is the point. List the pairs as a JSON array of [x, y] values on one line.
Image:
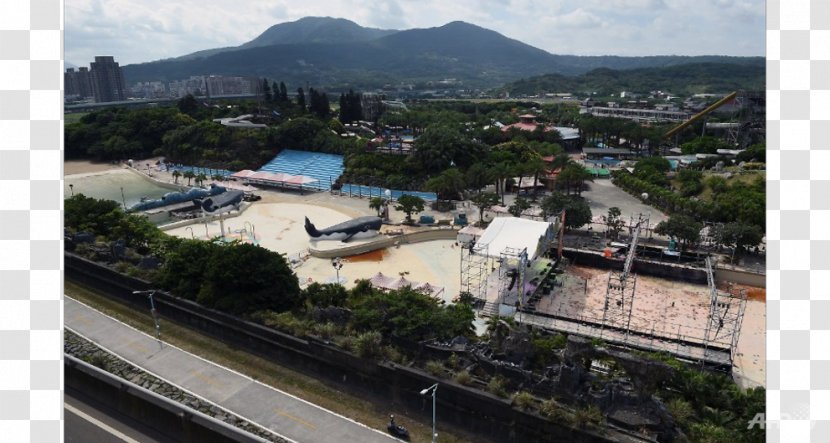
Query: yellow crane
[[700, 114]]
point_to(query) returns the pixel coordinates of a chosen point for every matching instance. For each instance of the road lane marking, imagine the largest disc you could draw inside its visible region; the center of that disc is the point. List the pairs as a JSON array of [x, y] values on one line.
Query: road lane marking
[[100, 424], [206, 378], [308, 425]]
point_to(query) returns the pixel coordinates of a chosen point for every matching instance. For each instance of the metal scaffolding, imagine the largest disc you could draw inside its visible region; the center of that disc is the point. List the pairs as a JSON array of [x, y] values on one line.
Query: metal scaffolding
[[619, 297], [726, 314], [475, 268], [512, 269]]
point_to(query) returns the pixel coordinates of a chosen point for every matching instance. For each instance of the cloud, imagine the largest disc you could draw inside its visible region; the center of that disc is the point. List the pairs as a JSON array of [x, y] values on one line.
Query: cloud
[[137, 31]]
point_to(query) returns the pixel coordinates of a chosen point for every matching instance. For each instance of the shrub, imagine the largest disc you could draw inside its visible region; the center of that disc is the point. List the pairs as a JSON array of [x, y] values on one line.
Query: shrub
[[463, 378], [393, 354], [681, 410], [590, 416], [555, 412], [368, 344], [345, 342], [435, 368], [523, 400], [496, 386], [326, 330], [453, 361]]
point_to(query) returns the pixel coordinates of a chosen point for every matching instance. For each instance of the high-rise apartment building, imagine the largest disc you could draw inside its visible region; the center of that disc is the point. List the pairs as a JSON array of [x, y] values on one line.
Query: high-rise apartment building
[[78, 84], [108, 83]]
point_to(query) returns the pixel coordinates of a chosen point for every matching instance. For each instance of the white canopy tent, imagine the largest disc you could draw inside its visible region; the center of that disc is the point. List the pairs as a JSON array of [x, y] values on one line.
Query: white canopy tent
[[516, 233]]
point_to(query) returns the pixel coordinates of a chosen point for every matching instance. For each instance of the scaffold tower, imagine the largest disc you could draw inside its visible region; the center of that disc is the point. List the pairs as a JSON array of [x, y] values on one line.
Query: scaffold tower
[[475, 268], [726, 314], [619, 296], [512, 269]]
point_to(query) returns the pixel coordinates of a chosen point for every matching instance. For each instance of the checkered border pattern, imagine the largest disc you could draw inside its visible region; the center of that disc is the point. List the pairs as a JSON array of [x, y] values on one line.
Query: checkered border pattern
[[31, 113], [798, 220]]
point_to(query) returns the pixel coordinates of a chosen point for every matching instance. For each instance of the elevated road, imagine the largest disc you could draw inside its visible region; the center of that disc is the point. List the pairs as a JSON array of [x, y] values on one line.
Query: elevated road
[[284, 414]]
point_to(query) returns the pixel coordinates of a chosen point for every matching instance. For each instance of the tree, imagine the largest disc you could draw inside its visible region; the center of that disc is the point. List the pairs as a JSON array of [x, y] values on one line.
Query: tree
[[554, 203], [200, 179], [189, 175], [577, 213], [447, 185], [681, 227], [484, 201], [738, 236], [520, 205], [188, 105], [266, 91], [301, 99], [477, 176], [176, 174], [410, 204], [283, 93], [613, 222], [377, 203], [573, 175]]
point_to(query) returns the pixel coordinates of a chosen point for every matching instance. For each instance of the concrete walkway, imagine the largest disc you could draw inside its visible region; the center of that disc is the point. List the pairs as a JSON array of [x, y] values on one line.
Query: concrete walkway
[[283, 413]]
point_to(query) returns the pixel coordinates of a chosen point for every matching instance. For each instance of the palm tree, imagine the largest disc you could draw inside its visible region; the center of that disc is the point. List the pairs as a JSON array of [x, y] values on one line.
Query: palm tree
[[217, 177], [189, 175], [377, 204], [201, 178], [176, 175]]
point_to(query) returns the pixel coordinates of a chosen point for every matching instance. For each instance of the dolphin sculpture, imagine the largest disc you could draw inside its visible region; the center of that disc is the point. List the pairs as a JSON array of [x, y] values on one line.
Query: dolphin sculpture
[[223, 202], [361, 227]]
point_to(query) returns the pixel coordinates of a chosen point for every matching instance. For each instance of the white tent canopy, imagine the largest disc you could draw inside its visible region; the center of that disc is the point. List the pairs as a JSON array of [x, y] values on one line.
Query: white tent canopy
[[517, 233]]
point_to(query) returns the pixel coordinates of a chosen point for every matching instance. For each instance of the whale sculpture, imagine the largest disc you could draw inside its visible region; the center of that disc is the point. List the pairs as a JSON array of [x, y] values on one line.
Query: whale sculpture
[[176, 197], [362, 227], [223, 202]]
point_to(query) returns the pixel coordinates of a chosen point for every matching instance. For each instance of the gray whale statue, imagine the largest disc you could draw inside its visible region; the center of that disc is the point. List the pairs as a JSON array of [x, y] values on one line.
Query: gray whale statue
[[224, 202], [361, 227]]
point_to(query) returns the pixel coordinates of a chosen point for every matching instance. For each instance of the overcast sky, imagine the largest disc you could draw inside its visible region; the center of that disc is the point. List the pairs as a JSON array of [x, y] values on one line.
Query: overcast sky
[[136, 31]]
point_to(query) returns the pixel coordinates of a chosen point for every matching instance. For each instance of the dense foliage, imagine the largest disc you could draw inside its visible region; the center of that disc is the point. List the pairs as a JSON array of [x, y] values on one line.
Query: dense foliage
[[235, 278], [683, 79]]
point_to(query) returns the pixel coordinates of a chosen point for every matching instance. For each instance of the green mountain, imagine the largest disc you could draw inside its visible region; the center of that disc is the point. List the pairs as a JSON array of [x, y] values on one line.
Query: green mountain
[[338, 54], [683, 79]]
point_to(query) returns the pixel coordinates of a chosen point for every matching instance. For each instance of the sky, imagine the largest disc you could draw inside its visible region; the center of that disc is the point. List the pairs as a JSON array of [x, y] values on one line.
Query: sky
[[136, 31]]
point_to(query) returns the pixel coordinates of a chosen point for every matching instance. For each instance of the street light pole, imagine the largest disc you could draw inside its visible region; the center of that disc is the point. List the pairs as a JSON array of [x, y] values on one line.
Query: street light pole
[[149, 295], [337, 264], [72, 189], [434, 389]]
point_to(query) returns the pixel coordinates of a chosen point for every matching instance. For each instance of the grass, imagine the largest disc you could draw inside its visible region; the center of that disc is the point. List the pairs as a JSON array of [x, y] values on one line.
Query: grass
[[371, 414], [73, 117]]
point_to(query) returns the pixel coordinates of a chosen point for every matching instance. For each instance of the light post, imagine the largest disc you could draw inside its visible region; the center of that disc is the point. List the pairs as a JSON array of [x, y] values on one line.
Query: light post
[[337, 264], [149, 295], [72, 189], [191, 232], [432, 388], [388, 194]]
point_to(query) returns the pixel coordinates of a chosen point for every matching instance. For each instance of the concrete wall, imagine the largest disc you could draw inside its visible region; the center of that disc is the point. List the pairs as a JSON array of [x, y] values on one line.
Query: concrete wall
[[490, 417], [741, 277], [385, 242], [644, 267], [172, 419]]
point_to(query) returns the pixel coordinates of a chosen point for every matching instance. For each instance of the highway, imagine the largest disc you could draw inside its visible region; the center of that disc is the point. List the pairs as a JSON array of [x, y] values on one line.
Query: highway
[[87, 421], [283, 413]]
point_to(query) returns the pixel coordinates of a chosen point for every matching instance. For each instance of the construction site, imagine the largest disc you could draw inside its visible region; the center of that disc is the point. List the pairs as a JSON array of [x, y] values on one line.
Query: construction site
[[623, 296]]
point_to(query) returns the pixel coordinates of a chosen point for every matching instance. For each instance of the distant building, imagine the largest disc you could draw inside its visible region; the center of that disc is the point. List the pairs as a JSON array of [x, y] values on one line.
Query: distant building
[[77, 84], [107, 80]]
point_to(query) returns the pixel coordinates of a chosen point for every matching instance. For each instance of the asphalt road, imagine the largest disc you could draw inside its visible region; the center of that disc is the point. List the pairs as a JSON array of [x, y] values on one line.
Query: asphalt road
[[87, 421], [255, 402]]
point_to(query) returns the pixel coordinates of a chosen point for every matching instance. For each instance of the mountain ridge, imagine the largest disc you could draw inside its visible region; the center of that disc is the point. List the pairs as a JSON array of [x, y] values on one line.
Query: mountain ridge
[[340, 54]]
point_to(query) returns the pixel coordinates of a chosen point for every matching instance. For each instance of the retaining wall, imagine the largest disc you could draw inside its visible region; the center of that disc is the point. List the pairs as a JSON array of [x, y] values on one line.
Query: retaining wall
[[172, 419], [489, 417], [644, 267]]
